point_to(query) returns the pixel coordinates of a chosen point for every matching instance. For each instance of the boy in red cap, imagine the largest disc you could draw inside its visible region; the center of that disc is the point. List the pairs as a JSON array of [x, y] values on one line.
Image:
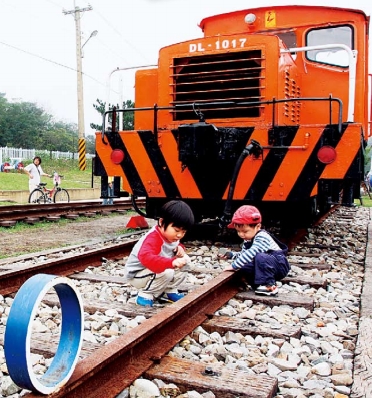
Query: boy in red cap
[[263, 259]]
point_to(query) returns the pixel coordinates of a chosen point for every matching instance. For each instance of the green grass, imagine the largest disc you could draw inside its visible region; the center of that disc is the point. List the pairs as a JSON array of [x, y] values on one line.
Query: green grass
[[73, 177], [41, 225], [367, 202], [44, 225]]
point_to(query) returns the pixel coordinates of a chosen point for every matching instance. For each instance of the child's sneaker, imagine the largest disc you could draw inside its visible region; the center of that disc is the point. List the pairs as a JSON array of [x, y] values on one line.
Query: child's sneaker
[[175, 296], [145, 302], [267, 290]]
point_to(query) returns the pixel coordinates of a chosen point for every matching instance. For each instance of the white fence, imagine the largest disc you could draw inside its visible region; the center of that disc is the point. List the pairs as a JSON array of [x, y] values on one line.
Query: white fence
[[13, 155]]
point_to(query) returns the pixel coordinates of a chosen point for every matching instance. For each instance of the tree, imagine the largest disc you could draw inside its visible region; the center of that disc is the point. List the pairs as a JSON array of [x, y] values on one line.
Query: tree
[[128, 116], [5, 136], [67, 134], [367, 159], [26, 125], [23, 124], [90, 143]]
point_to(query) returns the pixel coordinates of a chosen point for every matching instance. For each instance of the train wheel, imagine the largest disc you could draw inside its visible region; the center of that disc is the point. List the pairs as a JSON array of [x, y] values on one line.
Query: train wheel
[[307, 211], [324, 204], [61, 196], [313, 208], [36, 196]]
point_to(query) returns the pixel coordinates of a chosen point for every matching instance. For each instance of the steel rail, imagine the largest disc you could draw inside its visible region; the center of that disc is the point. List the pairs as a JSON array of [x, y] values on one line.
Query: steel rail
[[12, 277], [116, 365], [21, 212]]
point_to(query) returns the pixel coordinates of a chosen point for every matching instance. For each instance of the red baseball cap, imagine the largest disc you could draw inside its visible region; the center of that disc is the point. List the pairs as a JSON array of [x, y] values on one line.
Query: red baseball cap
[[245, 215]]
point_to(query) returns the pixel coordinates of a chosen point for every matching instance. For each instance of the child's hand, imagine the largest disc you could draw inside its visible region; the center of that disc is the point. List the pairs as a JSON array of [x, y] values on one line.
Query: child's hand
[[179, 252], [179, 262], [228, 268], [225, 256]]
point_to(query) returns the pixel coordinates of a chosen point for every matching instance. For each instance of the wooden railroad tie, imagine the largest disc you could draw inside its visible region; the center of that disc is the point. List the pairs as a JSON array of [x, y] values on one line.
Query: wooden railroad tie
[[290, 299], [46, 344], [224, 383], [224, 324]]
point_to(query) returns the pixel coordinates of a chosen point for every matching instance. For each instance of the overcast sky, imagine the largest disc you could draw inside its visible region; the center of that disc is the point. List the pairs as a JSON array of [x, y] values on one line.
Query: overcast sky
[[38, 45]]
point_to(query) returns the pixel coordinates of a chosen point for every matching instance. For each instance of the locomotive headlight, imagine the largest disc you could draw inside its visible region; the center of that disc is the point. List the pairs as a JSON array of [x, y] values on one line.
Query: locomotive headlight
[[117, 156], [327, 154], [249, 19]]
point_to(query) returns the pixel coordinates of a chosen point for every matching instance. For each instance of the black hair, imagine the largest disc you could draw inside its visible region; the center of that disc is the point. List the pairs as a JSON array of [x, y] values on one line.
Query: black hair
[[37, 157], [177, 212], [249, 225]]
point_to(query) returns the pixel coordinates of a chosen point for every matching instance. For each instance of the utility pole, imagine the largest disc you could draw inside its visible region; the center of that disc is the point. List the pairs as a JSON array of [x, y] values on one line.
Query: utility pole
[[80, 96]]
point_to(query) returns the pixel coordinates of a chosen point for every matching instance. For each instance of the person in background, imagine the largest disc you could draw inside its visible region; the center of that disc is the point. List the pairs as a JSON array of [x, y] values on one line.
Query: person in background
[[263, 258], [369, 176], [110, 192], [156, 261], [35, 172]]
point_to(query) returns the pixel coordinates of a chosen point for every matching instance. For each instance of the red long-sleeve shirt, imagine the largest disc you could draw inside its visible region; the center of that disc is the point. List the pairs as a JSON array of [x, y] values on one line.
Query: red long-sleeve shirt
[[153, 252]]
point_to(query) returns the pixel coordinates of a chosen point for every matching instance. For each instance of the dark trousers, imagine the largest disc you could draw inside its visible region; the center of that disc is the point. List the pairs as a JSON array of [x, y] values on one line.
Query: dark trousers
[[266, 269]]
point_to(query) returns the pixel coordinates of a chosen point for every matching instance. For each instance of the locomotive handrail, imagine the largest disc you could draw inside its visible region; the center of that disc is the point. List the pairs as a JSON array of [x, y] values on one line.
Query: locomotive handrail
[[108, 88], [330, 99], [352, 70], [192, 105]]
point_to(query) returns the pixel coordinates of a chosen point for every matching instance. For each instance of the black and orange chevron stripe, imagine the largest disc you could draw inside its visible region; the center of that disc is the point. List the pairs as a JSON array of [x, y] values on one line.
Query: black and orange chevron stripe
[[288, 170]]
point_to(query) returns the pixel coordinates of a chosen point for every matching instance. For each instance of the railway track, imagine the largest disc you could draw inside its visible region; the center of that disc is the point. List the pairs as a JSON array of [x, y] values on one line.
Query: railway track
[[219, 309], [31, 213]]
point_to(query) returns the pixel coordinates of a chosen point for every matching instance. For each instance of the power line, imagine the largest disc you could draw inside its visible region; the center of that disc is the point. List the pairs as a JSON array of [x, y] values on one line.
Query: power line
[[49, 60], [120, 34]]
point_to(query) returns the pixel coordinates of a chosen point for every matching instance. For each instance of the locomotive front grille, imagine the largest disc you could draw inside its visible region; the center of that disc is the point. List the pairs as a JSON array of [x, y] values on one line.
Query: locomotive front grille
[[220, 85]]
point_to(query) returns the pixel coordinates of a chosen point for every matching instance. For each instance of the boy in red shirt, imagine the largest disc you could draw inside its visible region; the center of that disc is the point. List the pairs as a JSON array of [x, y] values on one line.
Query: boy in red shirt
[[155, 263]]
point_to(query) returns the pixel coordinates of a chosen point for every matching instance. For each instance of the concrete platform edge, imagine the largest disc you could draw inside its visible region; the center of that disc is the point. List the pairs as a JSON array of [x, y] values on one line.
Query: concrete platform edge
[[21, 197]]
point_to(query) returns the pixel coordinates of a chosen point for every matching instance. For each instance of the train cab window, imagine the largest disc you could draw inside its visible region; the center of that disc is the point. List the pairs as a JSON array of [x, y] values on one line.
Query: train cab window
[[329, 36], [289, 39]]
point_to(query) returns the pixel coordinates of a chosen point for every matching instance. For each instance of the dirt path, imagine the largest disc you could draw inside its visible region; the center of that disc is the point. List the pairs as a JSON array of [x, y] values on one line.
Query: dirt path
[[53, 235]]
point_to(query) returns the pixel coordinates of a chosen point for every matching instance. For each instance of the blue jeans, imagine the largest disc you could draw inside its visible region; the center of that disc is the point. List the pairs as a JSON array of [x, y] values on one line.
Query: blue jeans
[[266, 269], [110, 194]]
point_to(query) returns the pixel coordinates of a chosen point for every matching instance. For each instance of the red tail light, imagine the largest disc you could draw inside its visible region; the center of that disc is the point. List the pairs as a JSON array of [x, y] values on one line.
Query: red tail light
[[327, 154]]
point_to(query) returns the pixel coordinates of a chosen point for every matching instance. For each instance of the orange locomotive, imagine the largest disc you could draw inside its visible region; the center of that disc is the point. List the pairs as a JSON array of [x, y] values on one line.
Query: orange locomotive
[[269, 108]]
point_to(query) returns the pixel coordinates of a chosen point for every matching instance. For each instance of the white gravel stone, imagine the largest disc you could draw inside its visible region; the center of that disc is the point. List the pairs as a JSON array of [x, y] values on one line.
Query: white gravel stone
[[318, 364]]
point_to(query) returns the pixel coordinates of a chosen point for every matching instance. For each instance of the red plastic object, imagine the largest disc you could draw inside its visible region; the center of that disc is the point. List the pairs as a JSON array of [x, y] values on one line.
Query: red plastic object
[[137, 222]]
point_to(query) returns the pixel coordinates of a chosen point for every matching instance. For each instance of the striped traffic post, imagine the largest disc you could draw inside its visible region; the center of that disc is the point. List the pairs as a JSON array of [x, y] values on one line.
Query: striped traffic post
[[82, 154]]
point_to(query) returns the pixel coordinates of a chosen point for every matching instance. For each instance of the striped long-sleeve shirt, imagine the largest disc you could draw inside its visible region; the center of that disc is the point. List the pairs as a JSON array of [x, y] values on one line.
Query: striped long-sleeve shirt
[[261, 243]]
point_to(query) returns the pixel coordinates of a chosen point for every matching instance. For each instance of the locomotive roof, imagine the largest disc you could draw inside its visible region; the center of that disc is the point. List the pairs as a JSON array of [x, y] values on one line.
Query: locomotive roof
[[285, 17]]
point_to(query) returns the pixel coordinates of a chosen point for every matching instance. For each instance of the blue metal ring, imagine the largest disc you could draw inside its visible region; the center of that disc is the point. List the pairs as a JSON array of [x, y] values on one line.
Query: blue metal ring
[[18, 332]]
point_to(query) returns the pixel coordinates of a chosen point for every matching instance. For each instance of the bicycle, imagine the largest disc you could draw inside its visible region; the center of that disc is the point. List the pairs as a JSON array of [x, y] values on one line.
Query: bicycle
[[41, 194]]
